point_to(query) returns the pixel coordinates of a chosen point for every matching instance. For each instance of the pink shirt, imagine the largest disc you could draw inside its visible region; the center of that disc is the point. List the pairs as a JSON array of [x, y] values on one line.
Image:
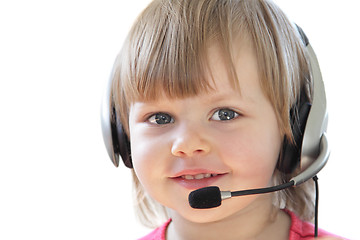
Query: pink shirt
[[299, 230]]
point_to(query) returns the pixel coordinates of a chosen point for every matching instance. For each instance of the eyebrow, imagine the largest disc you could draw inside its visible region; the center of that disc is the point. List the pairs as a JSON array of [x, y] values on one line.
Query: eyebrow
[[245, 100], [215, 97]]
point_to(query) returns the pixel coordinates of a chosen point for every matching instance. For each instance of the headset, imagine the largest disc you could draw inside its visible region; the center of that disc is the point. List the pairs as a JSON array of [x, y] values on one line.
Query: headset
[[310, 149]]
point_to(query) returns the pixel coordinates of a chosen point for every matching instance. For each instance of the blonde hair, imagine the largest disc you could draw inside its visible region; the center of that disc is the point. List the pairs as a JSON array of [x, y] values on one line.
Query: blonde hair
[[166, 50]]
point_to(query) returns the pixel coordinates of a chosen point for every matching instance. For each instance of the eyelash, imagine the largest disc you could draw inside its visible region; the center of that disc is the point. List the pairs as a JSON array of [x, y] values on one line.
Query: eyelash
[[166, 118]]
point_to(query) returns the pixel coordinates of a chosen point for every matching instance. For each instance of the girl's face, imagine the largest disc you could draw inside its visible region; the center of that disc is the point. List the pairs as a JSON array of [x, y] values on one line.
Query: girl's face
[[223, 138]]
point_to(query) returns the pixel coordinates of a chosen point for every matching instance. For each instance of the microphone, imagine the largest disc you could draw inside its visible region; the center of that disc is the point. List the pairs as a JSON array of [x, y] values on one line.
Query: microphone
[[210, 197]]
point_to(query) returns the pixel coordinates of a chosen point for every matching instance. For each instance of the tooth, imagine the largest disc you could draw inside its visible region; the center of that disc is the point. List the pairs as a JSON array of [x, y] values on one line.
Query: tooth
[[199, 176]]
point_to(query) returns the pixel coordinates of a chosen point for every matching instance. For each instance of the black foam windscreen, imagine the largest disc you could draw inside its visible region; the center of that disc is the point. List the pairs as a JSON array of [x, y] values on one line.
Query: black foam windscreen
[[208, 197]]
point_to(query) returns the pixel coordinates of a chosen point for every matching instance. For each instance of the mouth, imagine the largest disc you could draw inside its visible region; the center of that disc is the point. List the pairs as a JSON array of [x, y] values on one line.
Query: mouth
[[196, 181], [199, 176]]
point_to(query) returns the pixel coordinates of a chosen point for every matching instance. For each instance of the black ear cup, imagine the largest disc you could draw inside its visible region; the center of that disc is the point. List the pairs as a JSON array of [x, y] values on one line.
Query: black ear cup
[[291, 152], [115, 139], [121, 141], [124, 148], [290, 155]]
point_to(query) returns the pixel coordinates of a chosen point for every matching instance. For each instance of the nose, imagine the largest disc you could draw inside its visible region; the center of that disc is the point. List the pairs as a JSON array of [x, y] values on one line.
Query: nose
[[190, 141]]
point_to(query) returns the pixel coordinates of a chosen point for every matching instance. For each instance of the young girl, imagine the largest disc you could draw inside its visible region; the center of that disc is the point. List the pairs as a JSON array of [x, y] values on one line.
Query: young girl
[[203, 90]]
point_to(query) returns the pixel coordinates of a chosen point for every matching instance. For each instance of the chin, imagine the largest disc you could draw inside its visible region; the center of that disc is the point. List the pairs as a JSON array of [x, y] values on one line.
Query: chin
[[227, 209]]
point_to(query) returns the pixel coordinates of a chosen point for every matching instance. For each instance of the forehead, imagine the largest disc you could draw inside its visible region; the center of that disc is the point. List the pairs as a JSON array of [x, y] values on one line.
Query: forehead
[[246, 77]]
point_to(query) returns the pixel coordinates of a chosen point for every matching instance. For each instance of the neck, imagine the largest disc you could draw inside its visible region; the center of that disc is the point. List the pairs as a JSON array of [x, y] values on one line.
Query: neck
[[259, 220]]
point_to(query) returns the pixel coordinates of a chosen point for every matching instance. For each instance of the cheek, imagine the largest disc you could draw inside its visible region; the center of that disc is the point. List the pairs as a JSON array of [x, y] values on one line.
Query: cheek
[[252, 152], [144, 155], [149, 160]]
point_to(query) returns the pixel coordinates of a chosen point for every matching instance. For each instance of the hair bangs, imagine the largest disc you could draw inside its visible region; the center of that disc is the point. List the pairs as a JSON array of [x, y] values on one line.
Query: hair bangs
[[167, 51], [175, 70], [168, 58]]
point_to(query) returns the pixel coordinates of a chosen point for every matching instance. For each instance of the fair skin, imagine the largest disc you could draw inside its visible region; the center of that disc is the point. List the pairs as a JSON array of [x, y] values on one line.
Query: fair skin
[[220, 138]]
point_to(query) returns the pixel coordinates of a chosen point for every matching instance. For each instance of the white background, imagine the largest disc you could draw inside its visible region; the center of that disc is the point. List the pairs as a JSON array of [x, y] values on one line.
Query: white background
[[56, 181]]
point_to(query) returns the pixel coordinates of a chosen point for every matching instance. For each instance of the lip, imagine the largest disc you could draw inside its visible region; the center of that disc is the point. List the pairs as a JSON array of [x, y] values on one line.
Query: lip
[[195, 172], [193, 184]]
